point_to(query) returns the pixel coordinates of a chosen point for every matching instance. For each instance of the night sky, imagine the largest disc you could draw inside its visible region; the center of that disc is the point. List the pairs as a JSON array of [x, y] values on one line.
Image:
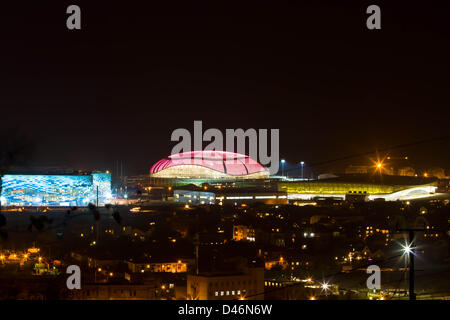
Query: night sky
[[137, 70]]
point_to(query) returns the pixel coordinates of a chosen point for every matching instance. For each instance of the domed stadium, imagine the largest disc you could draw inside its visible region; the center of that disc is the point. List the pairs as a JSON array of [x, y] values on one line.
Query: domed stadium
[[208, 165]]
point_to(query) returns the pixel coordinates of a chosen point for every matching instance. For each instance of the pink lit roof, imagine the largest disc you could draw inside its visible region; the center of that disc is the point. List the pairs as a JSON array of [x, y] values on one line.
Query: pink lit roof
[[226, 162]]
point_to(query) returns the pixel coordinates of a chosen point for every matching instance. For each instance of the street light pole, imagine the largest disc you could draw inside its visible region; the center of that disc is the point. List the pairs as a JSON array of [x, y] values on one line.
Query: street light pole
[[196, 243], [302, 164], [411, 253], [412, 295], [282, 167]]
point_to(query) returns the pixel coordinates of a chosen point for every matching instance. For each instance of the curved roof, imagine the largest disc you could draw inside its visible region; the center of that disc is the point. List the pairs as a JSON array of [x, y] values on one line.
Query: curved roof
[[228, 163]]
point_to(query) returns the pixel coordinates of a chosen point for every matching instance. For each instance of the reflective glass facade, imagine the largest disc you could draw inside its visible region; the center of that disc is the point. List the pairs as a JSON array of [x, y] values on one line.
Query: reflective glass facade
[[55, 190]]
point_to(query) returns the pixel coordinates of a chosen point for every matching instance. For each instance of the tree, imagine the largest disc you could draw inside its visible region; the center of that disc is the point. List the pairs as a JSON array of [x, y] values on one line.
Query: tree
[[15, 149]]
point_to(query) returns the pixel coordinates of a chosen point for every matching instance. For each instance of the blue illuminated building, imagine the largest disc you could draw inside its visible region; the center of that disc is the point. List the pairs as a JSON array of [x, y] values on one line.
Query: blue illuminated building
[[55, 190]]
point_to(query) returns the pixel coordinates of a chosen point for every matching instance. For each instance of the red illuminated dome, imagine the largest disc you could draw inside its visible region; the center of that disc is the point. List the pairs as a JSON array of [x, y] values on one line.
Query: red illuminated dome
[[208, 165]]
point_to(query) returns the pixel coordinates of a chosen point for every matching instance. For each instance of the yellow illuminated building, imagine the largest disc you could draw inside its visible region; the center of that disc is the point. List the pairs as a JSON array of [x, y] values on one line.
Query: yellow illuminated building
[[172, 267], [245, 233], [309, 189], [318, 187]]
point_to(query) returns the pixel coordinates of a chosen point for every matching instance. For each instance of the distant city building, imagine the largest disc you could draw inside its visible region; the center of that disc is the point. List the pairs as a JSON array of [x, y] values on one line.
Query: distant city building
[[178, 266], [351, 169], [138, 181], [249, 196], [407, 171], [56, 190], [194, 197], [437, 172], [271, 263], [108, 291], [326, 176], [227, 286], [363, 169], [241, 232]]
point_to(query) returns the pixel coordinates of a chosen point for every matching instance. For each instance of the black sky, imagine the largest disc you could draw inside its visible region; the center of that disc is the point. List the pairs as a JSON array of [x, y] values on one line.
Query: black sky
[[137, 70]]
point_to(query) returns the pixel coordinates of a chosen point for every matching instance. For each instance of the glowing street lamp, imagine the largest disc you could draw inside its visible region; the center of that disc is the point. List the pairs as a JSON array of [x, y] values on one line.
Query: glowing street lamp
[[282, 166], [325, 287], [407, 249], [302, 164], [379, 164]]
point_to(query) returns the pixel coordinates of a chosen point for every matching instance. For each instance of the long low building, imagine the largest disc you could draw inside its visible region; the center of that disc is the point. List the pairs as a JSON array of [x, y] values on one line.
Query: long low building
[[228, 196], [56, 190], [389, 188]]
